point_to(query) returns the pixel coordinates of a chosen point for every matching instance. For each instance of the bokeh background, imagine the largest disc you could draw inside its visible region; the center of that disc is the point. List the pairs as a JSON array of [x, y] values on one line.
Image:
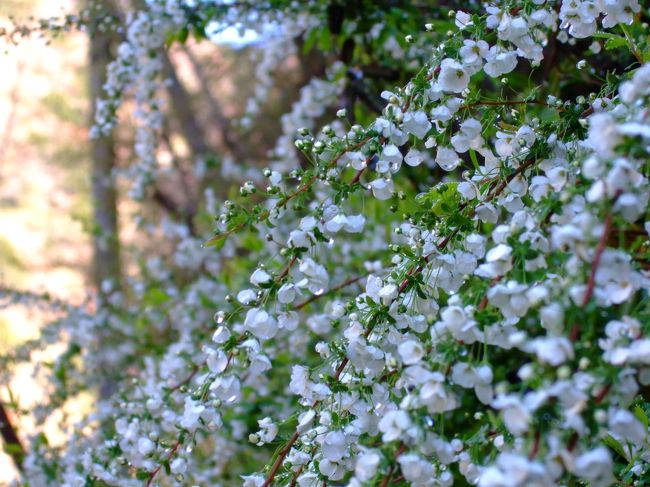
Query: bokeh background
[[46, 217]]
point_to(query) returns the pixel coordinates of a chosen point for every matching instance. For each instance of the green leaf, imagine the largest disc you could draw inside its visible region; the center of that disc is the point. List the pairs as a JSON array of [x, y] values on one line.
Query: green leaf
[[218, 241], [310, 41], [142, 475], [472, 156], [155, 297], [614, 444], [641, 416], [325, 41], [604, 35], [182, 35], [615, 43]]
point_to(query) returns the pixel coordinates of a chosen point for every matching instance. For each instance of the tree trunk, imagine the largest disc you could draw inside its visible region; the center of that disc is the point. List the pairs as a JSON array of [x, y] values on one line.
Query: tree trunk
[[106, 244], [106, 261]]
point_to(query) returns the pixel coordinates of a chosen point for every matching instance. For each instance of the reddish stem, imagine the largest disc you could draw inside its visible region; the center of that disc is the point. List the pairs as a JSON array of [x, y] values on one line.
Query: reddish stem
[[153, 474]]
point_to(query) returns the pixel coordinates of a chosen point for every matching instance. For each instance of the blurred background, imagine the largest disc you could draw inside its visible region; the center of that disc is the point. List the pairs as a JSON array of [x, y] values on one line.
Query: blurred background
[[48, 225]]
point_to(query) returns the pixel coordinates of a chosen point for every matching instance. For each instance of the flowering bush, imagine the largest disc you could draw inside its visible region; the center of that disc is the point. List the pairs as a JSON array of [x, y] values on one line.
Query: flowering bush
[[452, 291]]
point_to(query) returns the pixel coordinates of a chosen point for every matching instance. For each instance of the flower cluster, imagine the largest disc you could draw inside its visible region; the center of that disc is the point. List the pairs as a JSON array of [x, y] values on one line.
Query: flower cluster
[[453, 292]]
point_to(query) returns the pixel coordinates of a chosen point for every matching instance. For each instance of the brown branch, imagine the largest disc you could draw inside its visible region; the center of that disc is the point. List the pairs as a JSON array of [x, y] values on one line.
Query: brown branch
[[153, 474], [535, 448], [281, 456], [217, 115], [192, 130], [391, 470], [591, 283], [12, 444]]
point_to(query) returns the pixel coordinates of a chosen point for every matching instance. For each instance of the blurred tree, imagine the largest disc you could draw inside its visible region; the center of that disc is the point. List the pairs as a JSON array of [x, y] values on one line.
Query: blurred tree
[[106, 246]]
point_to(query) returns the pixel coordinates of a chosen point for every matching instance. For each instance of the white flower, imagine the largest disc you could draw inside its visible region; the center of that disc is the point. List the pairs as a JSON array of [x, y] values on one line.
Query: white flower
[[305, 419], [382, 188], [452, 77], [469, 136], [619, 12], [410, 351], [415, 469], [390, 159], [336, 223], [596, 467], [580, 17], [260, 323], [414, 158], [447, 158], [475, 243], [191, 414], [498, 261], [388, 293], [512, 470], [268, 431], [505, 144], [487, 213], [435, 396], [625, 425], [354, 223], [260, 276], [289, 320], [287, 293], [299, 384], [416, 123], [603, 134], [463, 19], [221, 335], [356, 159], [516, 415], [551, 350], [146, 446], [480, 379], [552, 317], [468, 190], [511, 300], [499, 62], [316, 277], [393, 424], [253, 480], [217, 360], [472, 54], [334, 446], [246, 296], [366, 465], [454, 320], [178, 465], [332, 470]]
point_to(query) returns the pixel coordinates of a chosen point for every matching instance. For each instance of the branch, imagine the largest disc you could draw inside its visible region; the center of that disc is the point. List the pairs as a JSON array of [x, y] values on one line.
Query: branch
[[181, 104], [12, 446], [591, 283], [216, 111]]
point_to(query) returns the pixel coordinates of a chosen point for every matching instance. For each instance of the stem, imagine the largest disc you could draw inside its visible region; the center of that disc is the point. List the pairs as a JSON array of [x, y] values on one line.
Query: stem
[[153, 474], [284, 201], [278, 461], [591, 283], [13, 446], [630, 40]]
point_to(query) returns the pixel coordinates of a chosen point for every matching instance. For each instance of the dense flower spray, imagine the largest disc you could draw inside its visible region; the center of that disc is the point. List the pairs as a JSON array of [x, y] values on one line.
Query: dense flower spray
[[488, 327]]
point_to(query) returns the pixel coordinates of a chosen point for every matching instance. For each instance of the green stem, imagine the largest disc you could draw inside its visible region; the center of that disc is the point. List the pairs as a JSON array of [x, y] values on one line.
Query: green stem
[[632, 44]]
